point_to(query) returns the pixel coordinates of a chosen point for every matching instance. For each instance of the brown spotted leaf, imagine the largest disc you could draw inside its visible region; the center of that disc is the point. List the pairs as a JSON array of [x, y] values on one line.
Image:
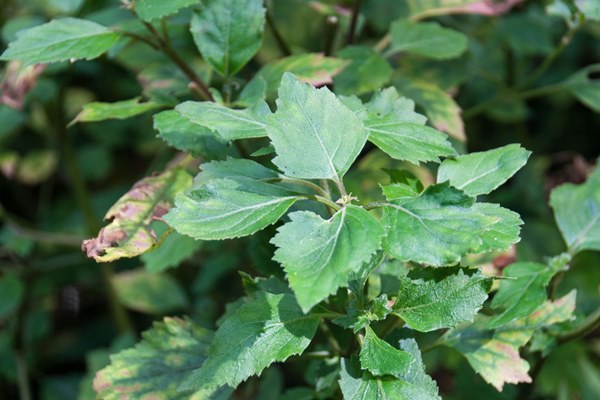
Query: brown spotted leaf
[[129, 233], [494, 354]]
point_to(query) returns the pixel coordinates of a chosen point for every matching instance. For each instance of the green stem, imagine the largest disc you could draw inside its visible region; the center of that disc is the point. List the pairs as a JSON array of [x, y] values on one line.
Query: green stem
[[22, 376], [335, 345], [591, 324], [325, 201], [283, 47], [303, 182], [198, 84], [82, 197], [353, 22], [331, 26]]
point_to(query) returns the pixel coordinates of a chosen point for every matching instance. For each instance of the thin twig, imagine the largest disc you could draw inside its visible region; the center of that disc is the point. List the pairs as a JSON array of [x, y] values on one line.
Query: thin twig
[[283, 47], [353, 21], [166, 47]]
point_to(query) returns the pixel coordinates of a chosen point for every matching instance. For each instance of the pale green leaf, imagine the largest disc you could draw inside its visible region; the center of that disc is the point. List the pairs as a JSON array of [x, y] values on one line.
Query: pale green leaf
[[436, 228], [158, 364], [149, 10], [227, 202], [439, 107], [318, 255], [388, 103], [438, 298], [61, 40], [503, 232], [413, 384], [97, 111], [408, 141], [381, 358], [313, 68], [267, 328], [428, 39], [156, 294], [228, 123], [482, 172], [589, 8], [184, 135], [228, 33], [314, 134], [577, 212], [366, 71], [523, 294], [129, 233]]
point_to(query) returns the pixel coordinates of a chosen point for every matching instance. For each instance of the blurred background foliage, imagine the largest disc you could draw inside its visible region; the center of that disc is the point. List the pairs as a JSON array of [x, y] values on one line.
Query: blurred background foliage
[[56, 182]]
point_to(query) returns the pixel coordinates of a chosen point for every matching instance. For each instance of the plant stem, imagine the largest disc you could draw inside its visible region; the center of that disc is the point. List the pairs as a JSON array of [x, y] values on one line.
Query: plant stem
[[325, 201], [283, 47], [335, 345], [591, 323], [22, 376], [143, 39], [303, 182], [82, 197], [353, 22], [331, 26], [198, 84]]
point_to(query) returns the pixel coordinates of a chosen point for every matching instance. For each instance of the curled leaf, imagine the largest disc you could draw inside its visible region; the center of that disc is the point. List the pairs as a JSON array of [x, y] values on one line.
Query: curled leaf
[[129, 233]]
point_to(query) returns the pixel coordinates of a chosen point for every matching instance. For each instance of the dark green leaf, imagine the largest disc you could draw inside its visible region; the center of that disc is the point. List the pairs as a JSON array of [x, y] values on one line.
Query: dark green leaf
[[228, 32], [61, 40], [428, 39], [577, 212], [381, 358], [154, 9], [268, 327], [156, 366], [318, 255], [95, 111], [367, 71], [441, 298]]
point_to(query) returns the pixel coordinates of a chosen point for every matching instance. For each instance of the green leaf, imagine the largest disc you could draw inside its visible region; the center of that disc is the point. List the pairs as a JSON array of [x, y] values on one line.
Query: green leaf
[[589, 8], [366, 71], [253, 92], [503, 232], [357, 319], [60, 40], [494, 354], [129, 233], [158, 364], [11, 294], [228, 33], [436, 228], [314, 134], [413, 384], [156, 294], [441, 298], [388, 103], [523, 294], [439, 107], [149, 10], [184, 135], [268, 327], [428, 39], [318, 255], [482, 172], [313, 68], [584, 87], [96, 111], [577, 212], [407, 141], [381, 358], [172, 251], [228, 123], [228, 201]]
